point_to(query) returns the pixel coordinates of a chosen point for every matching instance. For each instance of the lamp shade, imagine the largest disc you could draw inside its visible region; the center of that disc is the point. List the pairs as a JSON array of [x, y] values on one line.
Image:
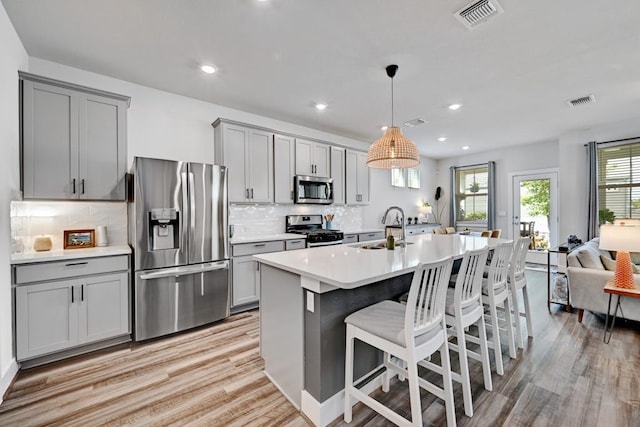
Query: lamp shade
[[624, 238], [425, 209], [393, 150]]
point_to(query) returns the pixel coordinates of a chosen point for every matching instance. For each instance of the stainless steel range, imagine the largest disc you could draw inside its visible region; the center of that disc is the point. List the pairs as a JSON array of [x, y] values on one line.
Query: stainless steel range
[[311, 226]]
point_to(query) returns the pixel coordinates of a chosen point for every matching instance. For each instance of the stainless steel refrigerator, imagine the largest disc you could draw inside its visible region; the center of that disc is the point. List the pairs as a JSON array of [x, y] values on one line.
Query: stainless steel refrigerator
[[178, 232]]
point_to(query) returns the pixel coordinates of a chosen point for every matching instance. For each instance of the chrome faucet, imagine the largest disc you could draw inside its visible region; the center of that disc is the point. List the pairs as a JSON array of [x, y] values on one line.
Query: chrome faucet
[[403, 238]]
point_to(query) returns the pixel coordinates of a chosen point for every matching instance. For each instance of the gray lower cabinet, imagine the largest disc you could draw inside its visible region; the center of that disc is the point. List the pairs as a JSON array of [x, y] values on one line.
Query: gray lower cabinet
[[73, 141], [245, 288], [61, 313], [350, 238], [375, 235]]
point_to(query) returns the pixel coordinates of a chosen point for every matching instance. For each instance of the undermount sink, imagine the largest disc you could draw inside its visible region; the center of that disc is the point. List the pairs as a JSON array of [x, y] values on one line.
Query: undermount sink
[[381, 245]]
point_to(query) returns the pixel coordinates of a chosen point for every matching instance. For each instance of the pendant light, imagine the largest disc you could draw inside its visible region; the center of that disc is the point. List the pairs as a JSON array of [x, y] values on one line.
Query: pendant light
[[393, 150]]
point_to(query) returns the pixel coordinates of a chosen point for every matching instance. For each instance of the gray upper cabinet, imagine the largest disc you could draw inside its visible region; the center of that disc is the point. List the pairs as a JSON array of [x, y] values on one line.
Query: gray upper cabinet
[[248, 155], [73, 141], [338, 175], [312, 158], [357, 178], [283, 168]]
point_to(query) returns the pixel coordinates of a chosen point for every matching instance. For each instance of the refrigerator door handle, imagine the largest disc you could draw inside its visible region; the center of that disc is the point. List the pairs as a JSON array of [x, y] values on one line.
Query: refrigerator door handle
[[192, 207], [183, 271], [185, 208]]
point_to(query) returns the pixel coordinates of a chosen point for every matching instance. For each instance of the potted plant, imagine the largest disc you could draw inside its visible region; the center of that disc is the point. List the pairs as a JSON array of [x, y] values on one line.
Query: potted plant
[[475, 187]]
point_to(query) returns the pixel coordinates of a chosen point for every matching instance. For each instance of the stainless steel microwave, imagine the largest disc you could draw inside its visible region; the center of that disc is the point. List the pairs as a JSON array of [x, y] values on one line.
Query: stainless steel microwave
[[313, 189]]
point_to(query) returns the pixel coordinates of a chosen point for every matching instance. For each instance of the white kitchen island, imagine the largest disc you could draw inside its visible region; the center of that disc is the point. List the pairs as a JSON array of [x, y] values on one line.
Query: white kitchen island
[[305, 296]]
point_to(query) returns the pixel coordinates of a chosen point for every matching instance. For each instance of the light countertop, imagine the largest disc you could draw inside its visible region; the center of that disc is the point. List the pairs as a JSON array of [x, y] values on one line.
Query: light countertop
[[265, 238], [61, 255], [350, 266]]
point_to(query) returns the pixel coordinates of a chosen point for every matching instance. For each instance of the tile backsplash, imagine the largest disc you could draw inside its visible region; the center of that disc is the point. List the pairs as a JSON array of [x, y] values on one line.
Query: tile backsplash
[[252, 220], [30, 219]]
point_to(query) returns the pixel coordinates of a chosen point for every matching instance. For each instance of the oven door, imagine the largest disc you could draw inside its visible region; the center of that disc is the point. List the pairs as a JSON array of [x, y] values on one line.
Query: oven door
[[317, 244]]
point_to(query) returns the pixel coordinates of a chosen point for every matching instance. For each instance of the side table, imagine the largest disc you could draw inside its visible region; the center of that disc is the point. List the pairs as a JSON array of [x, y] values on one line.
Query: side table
[[612, 290], [565, 249]]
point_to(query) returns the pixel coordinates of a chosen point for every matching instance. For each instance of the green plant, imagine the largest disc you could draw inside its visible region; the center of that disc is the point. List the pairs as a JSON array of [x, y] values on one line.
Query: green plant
[[475, 187], [474, 216], [606, 215]]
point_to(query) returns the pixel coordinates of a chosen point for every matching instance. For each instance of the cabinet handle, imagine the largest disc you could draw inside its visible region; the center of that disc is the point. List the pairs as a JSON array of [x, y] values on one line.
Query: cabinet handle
[[73, 186], [247, 192], [72, 295], [259, 245], [82, 186], [71, 264], [82, 293], [252, 193]]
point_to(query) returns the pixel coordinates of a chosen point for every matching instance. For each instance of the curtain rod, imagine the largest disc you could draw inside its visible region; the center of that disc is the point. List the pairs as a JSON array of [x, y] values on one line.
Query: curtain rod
[[615, 140]]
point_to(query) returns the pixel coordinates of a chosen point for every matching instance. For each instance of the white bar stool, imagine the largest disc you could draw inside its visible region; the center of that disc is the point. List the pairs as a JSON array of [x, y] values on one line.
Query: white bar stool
[[464, 308], [518, 282], [410, 333]]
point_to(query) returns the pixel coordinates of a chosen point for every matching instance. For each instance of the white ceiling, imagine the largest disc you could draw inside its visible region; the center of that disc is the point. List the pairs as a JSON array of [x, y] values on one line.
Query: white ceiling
[[277, 58]]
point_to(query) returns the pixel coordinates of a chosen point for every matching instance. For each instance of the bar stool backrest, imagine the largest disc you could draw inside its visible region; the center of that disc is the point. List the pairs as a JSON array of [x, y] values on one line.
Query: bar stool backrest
[[469, 280]]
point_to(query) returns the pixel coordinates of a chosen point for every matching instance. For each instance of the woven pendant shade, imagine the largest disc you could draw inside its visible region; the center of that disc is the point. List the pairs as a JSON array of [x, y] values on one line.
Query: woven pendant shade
[[392, 151]]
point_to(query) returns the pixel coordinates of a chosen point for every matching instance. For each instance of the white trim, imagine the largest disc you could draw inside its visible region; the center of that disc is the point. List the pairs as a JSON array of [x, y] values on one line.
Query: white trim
[[321, 414], [7, 378], [295, 404]]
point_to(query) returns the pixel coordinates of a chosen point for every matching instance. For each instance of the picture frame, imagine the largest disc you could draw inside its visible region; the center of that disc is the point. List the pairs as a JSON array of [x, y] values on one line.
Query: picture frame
[[79, 239]]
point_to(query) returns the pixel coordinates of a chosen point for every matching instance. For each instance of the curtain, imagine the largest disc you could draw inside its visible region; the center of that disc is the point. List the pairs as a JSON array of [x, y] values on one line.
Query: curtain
[[593, 222], [491, 202]]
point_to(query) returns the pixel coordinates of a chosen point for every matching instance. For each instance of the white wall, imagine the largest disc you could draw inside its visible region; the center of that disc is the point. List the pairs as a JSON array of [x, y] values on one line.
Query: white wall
[[383, 195], [14, 58], [520, 158]]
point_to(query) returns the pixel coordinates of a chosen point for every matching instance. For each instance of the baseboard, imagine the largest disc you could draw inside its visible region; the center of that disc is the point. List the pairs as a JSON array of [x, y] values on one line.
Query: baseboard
[[321, 414], [7, 379]]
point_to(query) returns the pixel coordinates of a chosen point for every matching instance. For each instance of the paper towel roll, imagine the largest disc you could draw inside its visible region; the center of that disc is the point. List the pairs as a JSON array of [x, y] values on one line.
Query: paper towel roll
[[101, 236]]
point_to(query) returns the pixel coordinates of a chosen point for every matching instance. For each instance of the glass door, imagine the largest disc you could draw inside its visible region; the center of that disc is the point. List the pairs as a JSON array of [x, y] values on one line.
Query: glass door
[[535, 212]]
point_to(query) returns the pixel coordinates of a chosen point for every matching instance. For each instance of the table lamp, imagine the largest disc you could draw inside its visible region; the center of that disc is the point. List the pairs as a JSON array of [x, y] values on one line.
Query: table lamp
[[623, 239], [424, 212]]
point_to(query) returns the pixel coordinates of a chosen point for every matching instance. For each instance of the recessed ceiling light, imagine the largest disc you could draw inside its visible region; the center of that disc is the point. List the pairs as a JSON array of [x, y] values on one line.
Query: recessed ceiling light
[[465, 147], [321, 106], [209, 69], [454, 106], [442, 139]]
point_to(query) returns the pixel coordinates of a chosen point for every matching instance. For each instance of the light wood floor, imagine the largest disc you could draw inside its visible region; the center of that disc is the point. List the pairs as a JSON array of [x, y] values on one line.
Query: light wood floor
[[565, 376]]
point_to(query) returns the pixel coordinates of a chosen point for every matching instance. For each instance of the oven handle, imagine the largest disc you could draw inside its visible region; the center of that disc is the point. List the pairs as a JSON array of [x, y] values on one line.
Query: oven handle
[[315, 245], [183, 271]]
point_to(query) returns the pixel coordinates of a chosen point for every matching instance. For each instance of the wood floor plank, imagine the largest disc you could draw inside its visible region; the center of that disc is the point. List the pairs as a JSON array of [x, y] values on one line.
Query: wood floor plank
[[564, 376]]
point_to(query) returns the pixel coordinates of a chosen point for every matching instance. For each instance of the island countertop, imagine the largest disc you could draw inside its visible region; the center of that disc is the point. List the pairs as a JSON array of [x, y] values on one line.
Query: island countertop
[[351, 266]]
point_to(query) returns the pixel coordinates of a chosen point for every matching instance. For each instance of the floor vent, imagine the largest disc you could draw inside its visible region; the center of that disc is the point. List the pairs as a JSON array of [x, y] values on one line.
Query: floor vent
[[589, 99], [478, 12]]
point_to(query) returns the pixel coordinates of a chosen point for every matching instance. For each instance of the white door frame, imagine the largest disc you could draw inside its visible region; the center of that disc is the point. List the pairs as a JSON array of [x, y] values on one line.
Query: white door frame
[[551, 173]]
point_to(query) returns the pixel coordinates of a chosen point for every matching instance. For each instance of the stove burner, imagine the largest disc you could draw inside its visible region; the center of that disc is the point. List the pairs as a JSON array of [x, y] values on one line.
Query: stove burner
[[311, 226]]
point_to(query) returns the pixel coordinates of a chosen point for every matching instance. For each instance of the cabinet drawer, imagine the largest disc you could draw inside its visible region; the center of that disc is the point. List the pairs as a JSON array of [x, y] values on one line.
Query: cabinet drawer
[[296, 244], [257, 248], [364, 237], [350, 238], [70, 268]]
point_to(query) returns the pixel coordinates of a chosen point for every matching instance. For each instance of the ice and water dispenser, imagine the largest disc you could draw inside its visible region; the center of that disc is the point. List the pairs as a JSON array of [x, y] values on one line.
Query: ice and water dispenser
[[163, 229]]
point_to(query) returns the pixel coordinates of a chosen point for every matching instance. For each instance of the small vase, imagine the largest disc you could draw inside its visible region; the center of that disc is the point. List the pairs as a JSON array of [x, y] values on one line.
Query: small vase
[[328, 225]]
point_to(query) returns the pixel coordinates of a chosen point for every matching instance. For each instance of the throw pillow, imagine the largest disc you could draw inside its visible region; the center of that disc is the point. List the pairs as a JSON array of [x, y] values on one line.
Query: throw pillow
[[589, 259], [610, 265]]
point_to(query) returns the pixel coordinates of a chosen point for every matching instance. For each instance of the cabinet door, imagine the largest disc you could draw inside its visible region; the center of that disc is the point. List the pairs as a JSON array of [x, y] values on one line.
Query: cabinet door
[[260, 166], [46, 318], [351, 177], [245, 281], [304, 157], [283, 168], [102, 148], [235, 143], [363, 179], [337, 174], [350, 238], [50, 142], [103, 307], [321, 159]]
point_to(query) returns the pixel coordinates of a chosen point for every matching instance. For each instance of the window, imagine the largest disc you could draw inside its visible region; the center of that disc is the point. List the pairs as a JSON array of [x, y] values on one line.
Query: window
[[473, 193], [618, 181]]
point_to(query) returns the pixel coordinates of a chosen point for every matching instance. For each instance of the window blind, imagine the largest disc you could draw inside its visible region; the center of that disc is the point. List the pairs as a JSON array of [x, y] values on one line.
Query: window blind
[[619, 180]]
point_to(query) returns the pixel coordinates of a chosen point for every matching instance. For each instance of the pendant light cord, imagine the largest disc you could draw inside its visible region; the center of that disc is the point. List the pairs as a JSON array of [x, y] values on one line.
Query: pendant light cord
[[391, 101]]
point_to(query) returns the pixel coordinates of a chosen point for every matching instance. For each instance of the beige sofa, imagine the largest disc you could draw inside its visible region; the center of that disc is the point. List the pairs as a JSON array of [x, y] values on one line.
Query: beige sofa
[[587, 276]]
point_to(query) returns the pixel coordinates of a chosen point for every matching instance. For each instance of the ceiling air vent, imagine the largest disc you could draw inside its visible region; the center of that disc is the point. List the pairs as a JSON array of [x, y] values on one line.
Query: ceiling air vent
[[589, 99], [478, 12], [415, 122]]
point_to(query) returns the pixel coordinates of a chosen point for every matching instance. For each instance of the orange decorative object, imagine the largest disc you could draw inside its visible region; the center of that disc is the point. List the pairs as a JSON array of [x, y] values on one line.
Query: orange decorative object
[[623, 277]]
